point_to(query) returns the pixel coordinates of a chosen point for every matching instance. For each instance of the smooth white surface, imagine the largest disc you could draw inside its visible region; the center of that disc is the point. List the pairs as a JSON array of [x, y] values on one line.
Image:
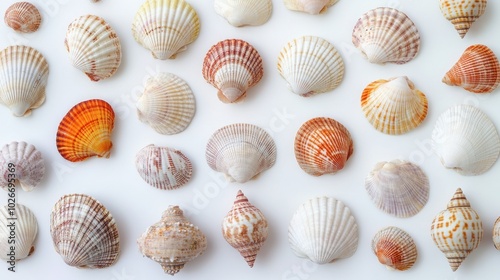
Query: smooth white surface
[[277, 192]]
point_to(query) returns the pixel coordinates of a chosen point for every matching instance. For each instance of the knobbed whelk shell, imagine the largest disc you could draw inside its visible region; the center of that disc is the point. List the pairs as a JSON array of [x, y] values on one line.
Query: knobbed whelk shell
[[386, 35], [394, 248], [466, 140], [323, 230], [83, 232], [23, 17], [243, 12], [312, 7], [462, 13], [173, 241], [23, 232], [21, 163], [458, 230], [245, 228]]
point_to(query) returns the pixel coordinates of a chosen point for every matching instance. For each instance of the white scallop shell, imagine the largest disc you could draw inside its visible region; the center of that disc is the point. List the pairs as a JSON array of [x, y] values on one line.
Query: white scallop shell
[[312, 7], [25, 232], [244, 12], [27, 165]]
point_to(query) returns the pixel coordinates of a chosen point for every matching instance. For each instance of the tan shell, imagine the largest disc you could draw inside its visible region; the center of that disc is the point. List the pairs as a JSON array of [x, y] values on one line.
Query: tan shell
[[23, 17], [23, 163], [26, 230], [243, 12], [394, 248], [312, 7], [462, 13], [496, 233]]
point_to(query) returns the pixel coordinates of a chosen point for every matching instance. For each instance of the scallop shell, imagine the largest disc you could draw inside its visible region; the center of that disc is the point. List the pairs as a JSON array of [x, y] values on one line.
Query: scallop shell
[[232, 66], [23, 17], [323, 230], [93, 47], [23, 77], [83, 232], [462, 13], [241, 151], [243, 12], [85, 131], [458, 230], [466, 140], [173, 241], [394, 248], [163, 168], [310, 65], [496, 234], [165, 27], [245, 228], [477, 70], [167, 104], [21, 163], [322, 145], [312, 7], [386, 35], [24, 231]]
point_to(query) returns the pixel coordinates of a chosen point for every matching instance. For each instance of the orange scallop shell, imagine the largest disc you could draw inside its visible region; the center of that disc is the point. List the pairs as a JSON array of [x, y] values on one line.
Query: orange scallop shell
[[23, 17]]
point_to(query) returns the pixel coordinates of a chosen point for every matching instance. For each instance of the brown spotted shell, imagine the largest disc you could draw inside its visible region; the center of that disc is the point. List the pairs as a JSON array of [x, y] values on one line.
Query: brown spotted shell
[[23, 17], [462, 13]]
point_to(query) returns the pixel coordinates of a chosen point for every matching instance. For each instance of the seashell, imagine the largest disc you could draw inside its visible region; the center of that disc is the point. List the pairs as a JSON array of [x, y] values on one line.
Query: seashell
[[399, 188], [93, 47], [386, 35], [310, 65], [24, 231], [23, 17], [394, 248], [21, 163], [173, 241], [312, 7], [394, 106], [323, 230], [165, 27], [241, 151], [167, 104], [23, 77], [322, 145], [163, 168], [496, 234], [83, 232], [232, 66], [462, 13], [245, 228], [466, 140], [242, 12], [477, 70], [85, 131], [458, 230]]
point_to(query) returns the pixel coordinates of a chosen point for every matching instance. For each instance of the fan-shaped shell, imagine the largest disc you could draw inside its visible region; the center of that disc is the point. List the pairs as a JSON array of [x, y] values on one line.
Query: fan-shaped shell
[[323, 230], [232, 66], [386, 35], [93, 47], [24, 232], [167, 104], [496, 233], [394, 248], [477, 70], [241, 151], [322, 145], [21, 163], [310, 65], [312, 7], [83, 232], [165, 27], [462, 13], [242, 12], [23, 17], [466, 140], [85, 131], [23, 77]]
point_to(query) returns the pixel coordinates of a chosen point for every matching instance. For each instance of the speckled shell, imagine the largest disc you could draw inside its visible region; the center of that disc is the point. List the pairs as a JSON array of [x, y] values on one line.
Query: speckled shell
[[310, 65], [173, 241], [458, 230], [245, 228], [496, 233], [477, 70], [394, 106], [85, 131], [386, 35], [232, 66], [93, 47], [462, 13], [23, 17], [26, 229], [165, 27], [394, 248], [241, 151], [23, 77], [243, 12], [83, 232], [466, 140], [27, 165], [312, 7], [322, 146]]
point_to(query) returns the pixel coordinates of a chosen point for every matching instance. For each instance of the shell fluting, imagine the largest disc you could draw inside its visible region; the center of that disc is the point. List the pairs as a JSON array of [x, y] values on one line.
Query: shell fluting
[[394, 248], [496, 233], [26, 229], [242, 12], [462, 13], [312, 7], [23, 17], [24, 163]]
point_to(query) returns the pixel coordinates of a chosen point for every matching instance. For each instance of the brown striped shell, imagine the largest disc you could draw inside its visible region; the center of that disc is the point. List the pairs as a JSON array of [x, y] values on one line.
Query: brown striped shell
[[462, 13], [24, 163], [394, 248], [23, 17]]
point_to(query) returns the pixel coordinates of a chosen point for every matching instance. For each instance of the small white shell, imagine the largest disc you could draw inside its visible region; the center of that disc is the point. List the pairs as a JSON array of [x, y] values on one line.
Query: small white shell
[[312, 7], [25, 232], [22, 162], [243, 12]]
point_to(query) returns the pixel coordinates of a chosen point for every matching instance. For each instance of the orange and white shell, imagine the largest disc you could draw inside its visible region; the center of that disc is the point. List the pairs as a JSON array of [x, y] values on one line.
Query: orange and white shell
[[462, 13], [312, 7], [394, 248], [243, 12], [21, 163], [23, 17], [26, 230]]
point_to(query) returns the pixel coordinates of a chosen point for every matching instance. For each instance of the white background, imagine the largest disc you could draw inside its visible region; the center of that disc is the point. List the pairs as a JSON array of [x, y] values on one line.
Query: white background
[[277, 192]]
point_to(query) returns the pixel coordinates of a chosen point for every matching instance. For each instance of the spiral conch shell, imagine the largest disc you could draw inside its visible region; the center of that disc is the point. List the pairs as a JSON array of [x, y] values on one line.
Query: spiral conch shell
[[462, 13], [458, 230], [23, 163], [23, 17], [312, 7], [243, 12], [394, 248], [25, 232]]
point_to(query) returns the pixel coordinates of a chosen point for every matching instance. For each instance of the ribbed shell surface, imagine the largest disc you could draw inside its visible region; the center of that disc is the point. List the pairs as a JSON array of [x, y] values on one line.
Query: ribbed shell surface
[[394, 248], [312, 7], [23, 17], [26, 229], [462, 13], [28, 165], [496, 233], [243, 12]]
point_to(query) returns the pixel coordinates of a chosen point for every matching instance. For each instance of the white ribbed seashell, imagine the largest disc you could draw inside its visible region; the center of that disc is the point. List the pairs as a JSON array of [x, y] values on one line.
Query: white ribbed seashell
[[241, 151], [462, 13], [466, 140], [23, 77], [323, 230], [312, 7], [22, 163], [310, 65], [394, 248], [93, 47], [243, 12], [23, 233], [167, 104]]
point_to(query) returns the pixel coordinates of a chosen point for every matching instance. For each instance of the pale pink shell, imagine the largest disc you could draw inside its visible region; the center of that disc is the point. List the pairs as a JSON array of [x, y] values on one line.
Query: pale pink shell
[[22, 162]]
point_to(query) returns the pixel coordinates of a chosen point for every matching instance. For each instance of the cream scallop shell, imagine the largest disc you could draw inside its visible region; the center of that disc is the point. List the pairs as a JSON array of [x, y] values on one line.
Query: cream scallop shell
[[394, 248], [312, 7], [496, 233], [25, 232], [462, 13], [23, 17], [24, 163], [243, 12]]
